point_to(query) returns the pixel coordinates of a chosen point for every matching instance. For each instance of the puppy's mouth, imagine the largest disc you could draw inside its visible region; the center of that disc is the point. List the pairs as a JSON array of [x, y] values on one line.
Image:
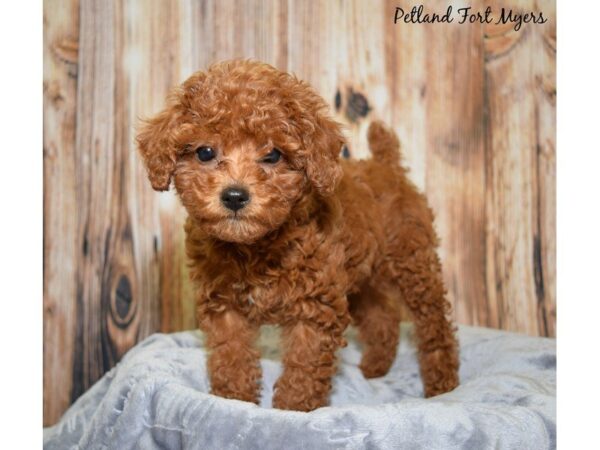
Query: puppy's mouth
[[238, 228], [236, 216]]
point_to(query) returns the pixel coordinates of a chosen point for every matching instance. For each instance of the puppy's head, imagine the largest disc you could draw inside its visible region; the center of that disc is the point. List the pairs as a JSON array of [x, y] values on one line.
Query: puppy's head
[[244, 143]]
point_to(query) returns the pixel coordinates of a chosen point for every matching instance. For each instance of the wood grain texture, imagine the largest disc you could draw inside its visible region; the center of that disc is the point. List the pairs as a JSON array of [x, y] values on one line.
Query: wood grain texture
[[61, 36], [455, 160], [520, 134], [474, 106]]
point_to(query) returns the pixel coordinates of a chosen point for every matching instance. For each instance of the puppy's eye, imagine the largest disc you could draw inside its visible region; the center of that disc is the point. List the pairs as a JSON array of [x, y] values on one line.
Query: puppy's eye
[[272, 157], [205, 154]]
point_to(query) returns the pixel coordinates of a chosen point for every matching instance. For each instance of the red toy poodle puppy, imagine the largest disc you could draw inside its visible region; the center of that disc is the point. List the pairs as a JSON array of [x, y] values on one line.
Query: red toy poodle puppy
[[280, 231]]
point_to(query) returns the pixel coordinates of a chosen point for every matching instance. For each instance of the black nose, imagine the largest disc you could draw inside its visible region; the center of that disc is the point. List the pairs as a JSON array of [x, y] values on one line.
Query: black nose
[[235, 198]]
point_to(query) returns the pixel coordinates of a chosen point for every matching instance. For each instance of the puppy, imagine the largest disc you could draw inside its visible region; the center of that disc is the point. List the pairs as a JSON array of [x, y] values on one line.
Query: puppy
[[281, 232]]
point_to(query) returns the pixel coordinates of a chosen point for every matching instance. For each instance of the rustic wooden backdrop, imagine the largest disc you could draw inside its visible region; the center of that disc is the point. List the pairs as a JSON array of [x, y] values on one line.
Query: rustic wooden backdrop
[[474, 106]]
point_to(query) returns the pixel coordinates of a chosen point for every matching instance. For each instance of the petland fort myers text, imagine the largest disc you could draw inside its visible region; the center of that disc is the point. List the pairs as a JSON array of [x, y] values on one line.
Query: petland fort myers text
[[468, 14]]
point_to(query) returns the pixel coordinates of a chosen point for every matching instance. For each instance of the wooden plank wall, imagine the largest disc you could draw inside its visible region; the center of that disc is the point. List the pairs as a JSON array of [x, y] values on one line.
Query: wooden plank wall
[[474, 106]]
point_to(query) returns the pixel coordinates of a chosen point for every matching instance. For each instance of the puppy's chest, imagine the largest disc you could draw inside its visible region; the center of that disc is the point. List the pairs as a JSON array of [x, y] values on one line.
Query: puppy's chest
[[268, 286], [262, 300]]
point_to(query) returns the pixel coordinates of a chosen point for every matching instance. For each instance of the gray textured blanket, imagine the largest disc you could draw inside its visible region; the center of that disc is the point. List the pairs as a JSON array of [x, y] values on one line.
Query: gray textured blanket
[[157, 397]]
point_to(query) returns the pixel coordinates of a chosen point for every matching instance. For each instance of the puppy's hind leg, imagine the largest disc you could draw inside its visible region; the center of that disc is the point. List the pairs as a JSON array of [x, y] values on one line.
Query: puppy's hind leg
[[417, 273], [378, 322]]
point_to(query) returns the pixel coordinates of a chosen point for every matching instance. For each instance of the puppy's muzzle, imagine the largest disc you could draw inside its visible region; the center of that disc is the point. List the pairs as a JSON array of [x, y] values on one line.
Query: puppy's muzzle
[[235, 198]]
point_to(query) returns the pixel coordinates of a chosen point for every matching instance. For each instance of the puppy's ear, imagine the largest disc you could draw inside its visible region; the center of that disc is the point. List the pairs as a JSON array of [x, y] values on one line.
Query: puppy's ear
[[322, 164], [159, 138], [156, 144]]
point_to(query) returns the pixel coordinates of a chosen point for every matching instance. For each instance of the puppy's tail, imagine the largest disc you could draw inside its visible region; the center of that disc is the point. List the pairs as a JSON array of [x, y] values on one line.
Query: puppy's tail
[[384, 144]]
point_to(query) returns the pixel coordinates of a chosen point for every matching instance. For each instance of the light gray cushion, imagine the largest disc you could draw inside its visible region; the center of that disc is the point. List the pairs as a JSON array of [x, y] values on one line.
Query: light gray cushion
[[157, 397]]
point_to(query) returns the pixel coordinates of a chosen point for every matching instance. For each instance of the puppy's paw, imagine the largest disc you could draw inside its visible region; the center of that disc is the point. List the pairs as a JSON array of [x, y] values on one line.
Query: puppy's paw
[[298, 401], [243, 384], [237, 394], [374, 365], [297, 390], [439, 370]]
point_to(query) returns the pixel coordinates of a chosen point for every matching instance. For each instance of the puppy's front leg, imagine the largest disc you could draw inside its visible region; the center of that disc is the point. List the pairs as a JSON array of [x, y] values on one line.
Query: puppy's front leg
[[309, 364], [233, 362]]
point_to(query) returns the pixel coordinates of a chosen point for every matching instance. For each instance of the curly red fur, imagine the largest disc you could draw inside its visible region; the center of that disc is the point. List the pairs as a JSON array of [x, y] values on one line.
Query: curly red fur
[[320, 243]]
